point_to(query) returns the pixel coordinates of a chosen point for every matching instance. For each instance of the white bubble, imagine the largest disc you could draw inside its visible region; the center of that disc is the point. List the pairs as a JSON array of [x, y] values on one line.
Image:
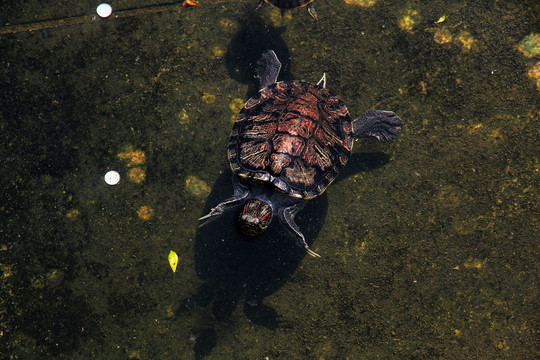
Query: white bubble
[[112, 177], [104, 10]]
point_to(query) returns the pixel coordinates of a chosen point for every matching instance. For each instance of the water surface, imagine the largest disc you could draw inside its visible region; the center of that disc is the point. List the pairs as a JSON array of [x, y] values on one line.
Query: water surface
[[429, 245]]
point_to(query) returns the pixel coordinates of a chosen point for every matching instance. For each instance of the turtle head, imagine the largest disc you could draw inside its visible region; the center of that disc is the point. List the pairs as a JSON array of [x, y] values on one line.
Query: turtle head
[[255, 217]]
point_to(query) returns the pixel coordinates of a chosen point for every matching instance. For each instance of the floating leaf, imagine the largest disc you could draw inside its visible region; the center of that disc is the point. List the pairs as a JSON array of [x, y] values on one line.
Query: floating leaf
[[173, 260], [441, 19]]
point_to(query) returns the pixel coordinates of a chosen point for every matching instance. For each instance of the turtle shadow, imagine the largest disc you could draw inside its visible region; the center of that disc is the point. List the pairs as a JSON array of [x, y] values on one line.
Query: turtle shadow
[[363, 162], [236, 270], [246, 47], [234, 266]]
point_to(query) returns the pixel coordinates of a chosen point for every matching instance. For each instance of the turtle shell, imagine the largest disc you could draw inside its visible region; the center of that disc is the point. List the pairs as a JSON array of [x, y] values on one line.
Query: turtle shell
[[288, 4], [293, 135]]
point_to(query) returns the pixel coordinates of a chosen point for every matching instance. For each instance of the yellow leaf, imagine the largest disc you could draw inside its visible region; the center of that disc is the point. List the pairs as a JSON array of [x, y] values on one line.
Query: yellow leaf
[[173, 260], [441, 19]]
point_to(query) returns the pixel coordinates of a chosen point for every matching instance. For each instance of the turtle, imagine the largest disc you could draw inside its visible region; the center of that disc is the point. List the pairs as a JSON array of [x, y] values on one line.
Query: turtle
[[291, 4], [287, 145]]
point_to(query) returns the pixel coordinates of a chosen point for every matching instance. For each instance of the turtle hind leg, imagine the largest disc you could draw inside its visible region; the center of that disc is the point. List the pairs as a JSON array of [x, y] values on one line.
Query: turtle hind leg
[[268, 67], [286, 216], [380, 124]]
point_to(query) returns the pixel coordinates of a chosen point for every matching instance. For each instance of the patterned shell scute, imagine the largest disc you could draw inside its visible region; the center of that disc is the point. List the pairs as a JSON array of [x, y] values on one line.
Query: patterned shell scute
[[288, 4], [294, 135]]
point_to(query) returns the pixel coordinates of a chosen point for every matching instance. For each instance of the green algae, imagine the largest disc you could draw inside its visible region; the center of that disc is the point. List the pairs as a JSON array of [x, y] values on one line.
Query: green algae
[[530, 45]]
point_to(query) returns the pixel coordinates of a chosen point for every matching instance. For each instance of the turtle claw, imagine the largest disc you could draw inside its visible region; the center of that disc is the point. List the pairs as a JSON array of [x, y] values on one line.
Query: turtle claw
[[211, 216], [205, 216], [217, 211], [312, 253]]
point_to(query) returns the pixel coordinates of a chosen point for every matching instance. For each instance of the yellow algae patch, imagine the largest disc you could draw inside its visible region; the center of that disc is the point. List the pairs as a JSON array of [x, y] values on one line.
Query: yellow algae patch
[[442, 36], [7, 270], [170, 311], [530, 45], [495, 137], [363, 3], [183, 117], [135, 354], [474, 263], [502, 345], [145, 212], [135, 157], [197, 187], [423, 87], [474, 128], [236, 105], [208, 98], [217, 51], [466, 40], [534, 73], [72, 214], [408, 21], [136, 175]]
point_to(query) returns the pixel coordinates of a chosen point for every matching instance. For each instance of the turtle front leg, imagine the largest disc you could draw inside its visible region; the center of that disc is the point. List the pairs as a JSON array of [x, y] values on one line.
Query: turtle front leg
[[219, 209], [241, 193], [286, 216], [380, 124]]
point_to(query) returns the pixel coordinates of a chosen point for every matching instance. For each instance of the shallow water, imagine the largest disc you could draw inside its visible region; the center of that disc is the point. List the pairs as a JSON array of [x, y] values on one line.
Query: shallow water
[[429, 244]]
